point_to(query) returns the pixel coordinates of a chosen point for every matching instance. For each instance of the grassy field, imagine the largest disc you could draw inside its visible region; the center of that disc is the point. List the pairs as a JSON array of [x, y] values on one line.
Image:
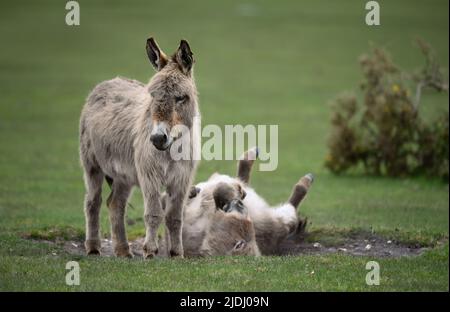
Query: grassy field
[[258, 62]]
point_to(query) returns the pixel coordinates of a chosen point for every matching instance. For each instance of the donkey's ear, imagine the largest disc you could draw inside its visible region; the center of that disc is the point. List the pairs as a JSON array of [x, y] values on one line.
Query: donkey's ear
[[155, 55], [184, 57]]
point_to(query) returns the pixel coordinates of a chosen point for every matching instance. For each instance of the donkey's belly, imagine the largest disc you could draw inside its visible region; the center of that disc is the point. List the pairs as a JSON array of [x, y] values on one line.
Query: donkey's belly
[[114, 152], [121, 171]]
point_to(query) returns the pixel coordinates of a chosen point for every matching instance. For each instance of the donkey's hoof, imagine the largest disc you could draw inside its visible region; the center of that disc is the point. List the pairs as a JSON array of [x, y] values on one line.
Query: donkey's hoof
[[251, 155], [93, 252], [307, 180], [176, 254], [123, 251], [310, 176], [92, 247], [149, 253], [148, 256], [128, 255]]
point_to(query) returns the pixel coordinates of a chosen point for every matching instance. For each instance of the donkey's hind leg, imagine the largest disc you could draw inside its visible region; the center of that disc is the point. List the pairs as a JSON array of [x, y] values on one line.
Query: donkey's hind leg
[[245, 164], [297, 196], [300, 190], [117, 202], [93, 177]]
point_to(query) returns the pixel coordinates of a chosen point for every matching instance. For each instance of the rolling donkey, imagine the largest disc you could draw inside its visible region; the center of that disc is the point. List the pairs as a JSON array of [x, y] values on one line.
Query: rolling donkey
[[126, 130], [225, 216]]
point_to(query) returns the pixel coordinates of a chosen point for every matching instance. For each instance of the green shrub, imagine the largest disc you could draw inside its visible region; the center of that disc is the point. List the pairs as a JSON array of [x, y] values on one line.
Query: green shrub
[[387, 134]]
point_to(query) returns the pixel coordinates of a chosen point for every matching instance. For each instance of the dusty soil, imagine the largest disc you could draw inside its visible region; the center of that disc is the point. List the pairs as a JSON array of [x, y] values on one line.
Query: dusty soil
[[356, 245], [360, 245]]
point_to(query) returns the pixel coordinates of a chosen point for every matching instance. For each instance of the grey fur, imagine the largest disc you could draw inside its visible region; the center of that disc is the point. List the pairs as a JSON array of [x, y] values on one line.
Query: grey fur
[[262, 228], [211, 231], [115, 128]]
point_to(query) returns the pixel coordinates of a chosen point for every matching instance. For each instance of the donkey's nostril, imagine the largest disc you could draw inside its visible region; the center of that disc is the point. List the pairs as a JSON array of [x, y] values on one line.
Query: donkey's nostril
[[159, 140], [234, 205]]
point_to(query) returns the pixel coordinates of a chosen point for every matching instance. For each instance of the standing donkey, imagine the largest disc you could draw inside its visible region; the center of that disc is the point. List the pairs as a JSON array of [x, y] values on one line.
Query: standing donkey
[[126, 131]]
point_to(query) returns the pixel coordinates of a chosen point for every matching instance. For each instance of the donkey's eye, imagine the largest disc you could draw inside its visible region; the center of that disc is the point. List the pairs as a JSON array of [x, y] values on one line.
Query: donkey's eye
[[181, 99]]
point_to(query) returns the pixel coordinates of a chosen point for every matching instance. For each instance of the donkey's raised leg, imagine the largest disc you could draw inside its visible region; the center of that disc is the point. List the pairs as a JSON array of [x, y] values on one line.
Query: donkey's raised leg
[[93, 177], [245, 164], [117, 202], [297, 196], [300, 190]]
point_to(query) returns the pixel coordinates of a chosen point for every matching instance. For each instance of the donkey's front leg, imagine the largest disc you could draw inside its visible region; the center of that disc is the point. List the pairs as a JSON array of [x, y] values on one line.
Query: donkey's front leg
[[178, 189], [153, 216]]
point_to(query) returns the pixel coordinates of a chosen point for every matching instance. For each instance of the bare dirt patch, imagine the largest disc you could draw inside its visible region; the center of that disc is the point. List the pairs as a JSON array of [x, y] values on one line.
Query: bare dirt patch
[[358, 245], [355, 244]]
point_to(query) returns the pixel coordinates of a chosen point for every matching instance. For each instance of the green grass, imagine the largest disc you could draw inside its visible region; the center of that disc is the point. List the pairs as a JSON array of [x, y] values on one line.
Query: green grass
[[258, 62], [336, 272]]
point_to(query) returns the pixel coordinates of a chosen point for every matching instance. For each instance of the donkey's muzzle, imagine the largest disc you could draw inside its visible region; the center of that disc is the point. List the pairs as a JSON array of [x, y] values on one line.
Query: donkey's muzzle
[[160, 141], [235, 205]]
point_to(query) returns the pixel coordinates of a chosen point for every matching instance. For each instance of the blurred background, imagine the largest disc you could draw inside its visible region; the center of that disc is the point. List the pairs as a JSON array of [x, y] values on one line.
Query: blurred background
[[257, 62]]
